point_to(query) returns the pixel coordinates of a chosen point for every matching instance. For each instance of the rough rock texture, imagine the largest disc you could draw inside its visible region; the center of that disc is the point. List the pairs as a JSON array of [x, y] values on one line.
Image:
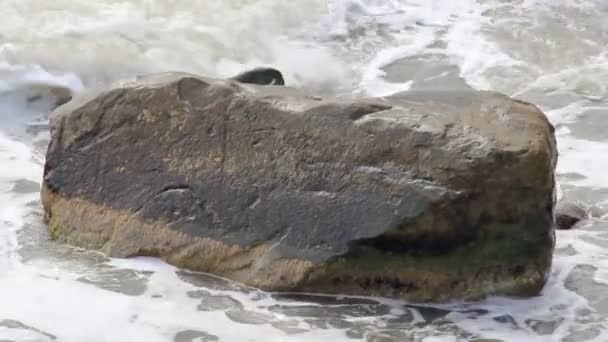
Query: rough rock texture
[[568, 214], [423, 195]]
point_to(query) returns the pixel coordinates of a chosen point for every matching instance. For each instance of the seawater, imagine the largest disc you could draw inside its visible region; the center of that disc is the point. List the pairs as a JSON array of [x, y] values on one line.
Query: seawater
[[551, 52]]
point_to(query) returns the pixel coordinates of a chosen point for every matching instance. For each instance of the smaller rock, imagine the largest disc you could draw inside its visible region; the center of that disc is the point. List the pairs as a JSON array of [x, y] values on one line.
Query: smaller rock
[[261, 76], [194, 335], [567, 214], [62, 95]]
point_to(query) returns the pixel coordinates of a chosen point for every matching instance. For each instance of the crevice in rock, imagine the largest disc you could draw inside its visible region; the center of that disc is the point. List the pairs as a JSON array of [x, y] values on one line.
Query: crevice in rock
[[102, 139], [166, 189], [180, 187]]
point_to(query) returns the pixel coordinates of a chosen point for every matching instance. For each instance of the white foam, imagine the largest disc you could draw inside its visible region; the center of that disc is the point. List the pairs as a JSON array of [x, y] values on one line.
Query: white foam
[[102, 41], [585, 158], [15, 164]]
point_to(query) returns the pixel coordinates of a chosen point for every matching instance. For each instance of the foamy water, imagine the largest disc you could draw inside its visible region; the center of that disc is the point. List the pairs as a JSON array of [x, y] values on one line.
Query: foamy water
[[551, 52]]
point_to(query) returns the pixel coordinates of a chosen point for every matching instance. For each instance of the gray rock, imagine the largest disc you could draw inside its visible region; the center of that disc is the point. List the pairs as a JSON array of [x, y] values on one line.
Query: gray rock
[[568, 214], [62, 95], [426, 195], [261, 76]]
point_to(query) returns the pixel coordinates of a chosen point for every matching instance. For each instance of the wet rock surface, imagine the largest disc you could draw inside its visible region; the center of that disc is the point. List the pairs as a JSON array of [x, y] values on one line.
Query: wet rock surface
[[425, 195]]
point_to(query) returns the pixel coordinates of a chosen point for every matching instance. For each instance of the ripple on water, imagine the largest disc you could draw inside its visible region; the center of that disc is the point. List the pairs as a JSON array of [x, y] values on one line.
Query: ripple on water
[[25, 186], [211, 282], [17, 327], [124, 281], [219, 303], [581, 280]]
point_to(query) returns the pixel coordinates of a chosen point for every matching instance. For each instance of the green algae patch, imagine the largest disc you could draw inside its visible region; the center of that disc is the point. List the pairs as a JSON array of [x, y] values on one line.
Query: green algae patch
[[63, 233], [55, 229], [506, 266]]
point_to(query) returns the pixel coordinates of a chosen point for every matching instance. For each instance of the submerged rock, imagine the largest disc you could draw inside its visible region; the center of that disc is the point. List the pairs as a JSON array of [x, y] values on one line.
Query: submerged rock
[[428, 195], [217, 303], [568, 214], [194, 336]]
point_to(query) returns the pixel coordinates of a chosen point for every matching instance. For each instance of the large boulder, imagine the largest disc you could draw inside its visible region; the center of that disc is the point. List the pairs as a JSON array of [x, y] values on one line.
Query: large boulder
[[423, 195]]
